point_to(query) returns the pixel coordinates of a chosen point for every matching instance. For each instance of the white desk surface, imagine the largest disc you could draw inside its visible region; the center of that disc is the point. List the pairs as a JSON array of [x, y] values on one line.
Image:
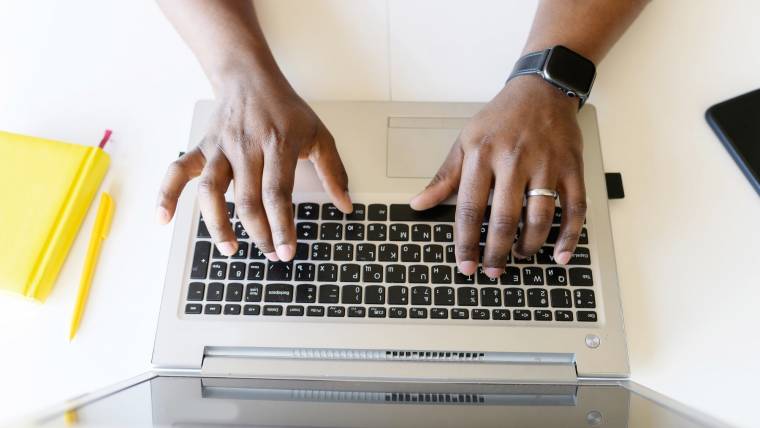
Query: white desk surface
[[686, 235]]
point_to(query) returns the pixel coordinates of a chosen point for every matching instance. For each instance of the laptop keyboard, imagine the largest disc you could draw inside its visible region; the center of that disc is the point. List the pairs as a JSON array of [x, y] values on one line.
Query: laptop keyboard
[[384, 261]]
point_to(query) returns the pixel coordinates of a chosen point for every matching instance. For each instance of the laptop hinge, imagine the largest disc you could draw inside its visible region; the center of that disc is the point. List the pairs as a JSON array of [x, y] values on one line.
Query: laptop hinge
[[390, 365]]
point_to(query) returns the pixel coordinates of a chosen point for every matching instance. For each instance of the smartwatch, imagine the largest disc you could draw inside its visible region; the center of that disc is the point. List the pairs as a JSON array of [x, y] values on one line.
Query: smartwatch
[[569, 71]]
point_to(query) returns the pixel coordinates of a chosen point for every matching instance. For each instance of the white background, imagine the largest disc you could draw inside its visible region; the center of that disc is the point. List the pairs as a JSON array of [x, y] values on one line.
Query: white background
[[687, 239]]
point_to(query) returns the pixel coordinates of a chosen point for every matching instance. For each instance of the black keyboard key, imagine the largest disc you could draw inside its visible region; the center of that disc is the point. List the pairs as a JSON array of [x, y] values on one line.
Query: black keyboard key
[[354, 232], [315, 311], [377, 212], [230, 209], [510, 276], [421, 233], [240, 231], [484, 279], [563, 315], [272, 310], [545, 256], [329, 293], [437, 214], [581, 256], [366, 252], [500, 314], [251, 310], [387, 252], [280, 271], [553, 235], [377, 311], [542, 315], [306, 293], [443, 296], [357, 312], [419, 274], [234, 292], [533, 276], [305, 272], [357, 214], [306, 231], [195, 291], [398, 312], [351, 295], [514, 297], [522, 315], [584, 298], [331, 212], [343, 252], [302, 251], [237, 271], [321, 251], [490, 296], [432, 253], [201, 255], [583, 237], [372, 273], [308, 211], [439, 313], [450, 254], [410, 253], [557, 215], [460, 314], [467, 296], [214, 309], [480, 314], [256, 271], [398, 295], [377, 232], [327, 272], [399, 232], [483, 233], [422, 295], [215, 254], [215, 292], [538, 298], [441, 274], [556, 276], [331, 231], [460, 278], [193, 308], [253, 292], [561, 298], [242, 251], [232, 309], [443, 233], [525, 261], [336, 311], [374, 295], [278, 293], [218, 270], [395, 274], [203, 230], [294, 311], [581, 277], [418, 313], [587, 316], [255, 253]]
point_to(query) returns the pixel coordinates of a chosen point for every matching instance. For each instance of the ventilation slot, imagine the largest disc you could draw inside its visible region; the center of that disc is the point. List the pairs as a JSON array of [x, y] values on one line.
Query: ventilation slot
[[415, 397], [388, 355], [434, 356]]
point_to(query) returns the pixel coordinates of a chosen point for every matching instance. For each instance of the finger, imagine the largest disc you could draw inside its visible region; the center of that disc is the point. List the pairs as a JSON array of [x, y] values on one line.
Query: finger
[[276, 192], [506, 209], [250, 210], [182, 170], [572, 197], [330, 170], [471, 205], [539, 212], [444, 182], [213, 183]]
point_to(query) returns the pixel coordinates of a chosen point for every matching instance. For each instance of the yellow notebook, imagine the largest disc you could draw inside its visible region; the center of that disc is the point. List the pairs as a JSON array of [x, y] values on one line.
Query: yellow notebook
[[46, 188]]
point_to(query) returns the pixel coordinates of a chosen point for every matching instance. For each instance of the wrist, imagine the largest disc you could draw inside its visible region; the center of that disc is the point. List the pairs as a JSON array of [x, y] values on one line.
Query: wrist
[[254, 72], [533, 89]]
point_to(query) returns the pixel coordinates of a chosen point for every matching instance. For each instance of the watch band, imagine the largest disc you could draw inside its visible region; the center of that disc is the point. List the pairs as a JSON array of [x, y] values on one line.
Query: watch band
[[532, 63]]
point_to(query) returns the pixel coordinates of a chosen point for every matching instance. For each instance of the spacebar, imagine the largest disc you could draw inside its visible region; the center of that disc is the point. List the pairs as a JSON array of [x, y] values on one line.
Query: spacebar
[[440, 213]]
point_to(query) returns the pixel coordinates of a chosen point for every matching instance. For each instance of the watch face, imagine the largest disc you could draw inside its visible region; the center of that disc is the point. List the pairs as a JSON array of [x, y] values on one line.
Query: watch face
[[570, 70]]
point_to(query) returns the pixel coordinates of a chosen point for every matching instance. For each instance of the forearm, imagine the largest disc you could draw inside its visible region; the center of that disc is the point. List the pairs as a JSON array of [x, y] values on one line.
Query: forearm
[[589, 27], [226, 38]]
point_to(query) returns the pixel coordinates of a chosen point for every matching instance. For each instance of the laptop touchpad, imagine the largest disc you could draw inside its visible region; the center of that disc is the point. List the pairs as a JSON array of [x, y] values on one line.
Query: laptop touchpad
[[418, 145]]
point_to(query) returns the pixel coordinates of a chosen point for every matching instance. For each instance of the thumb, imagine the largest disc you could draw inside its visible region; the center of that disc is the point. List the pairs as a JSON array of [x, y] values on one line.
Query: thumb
[[330, 170], [444, 183]]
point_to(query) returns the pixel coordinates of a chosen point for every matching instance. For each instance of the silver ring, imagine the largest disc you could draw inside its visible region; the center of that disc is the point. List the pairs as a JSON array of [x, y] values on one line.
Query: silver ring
[[542, 192]]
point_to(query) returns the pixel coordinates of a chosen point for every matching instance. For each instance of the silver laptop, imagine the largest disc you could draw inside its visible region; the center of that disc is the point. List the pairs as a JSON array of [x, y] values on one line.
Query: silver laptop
[[371, 324]]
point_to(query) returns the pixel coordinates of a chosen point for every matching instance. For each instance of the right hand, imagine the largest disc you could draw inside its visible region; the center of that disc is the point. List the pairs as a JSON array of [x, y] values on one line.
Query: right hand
[[258, 132]]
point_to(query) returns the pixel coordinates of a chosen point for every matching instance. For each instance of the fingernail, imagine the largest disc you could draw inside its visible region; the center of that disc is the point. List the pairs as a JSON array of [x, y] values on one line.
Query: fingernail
[[272, 257], [493, 272], [285, 251], [467, 267], [162, 215], [227, 248], [563, 257]]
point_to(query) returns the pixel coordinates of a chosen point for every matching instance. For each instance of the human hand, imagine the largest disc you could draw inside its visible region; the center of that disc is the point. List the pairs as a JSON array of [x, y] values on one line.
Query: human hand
[[527, 137], [258, 132]]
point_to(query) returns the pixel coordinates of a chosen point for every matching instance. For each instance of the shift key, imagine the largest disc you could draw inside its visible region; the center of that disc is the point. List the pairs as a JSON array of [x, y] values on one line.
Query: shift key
[[278, 293]]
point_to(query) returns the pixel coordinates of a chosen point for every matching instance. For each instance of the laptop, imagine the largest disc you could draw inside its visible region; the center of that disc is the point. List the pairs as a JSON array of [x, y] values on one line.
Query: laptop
[[371, 324]]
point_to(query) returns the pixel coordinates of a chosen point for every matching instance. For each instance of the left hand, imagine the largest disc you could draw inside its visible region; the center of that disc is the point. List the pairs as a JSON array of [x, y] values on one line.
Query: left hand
[[527, 137]]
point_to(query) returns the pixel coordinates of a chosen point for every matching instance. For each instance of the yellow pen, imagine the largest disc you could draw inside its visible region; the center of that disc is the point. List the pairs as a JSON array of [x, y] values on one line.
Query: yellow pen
[[97, 236]]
